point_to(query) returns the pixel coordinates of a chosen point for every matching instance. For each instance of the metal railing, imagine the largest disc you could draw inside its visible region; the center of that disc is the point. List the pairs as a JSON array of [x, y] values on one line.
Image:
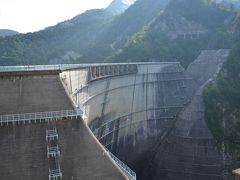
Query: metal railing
[[51, 134], [128, 172], [29, 68], [38, 67], [70, 66], [55, 174], [14, 118], [53, 151]]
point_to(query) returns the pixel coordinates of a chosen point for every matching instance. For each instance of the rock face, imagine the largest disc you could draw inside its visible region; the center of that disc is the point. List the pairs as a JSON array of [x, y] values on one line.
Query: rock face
[[119, 6], [177, 26]]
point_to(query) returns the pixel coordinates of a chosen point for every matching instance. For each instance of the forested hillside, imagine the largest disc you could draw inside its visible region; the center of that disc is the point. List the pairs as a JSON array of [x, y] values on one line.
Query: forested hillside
[[89, 37], [61, 43], [233, 4], [222, 100], [7, 32], [179, 33], [119, 6], [122, 28]]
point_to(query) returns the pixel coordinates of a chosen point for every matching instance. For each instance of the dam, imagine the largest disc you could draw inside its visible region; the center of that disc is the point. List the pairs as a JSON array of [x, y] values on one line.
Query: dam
[[96, 121]]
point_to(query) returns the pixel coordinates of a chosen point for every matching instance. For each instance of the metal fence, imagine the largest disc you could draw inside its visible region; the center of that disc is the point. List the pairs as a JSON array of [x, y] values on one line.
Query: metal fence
[[130, 173], [13, 118]]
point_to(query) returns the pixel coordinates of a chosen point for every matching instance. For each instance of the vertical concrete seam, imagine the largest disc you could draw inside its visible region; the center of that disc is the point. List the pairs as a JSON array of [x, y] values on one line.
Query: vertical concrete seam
[[105, 97], [133, 98], [147, 94]]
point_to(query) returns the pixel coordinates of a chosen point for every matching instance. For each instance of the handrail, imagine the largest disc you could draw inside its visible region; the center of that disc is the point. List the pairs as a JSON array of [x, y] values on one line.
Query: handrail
[[70, 66], [55, 173], [29, 68], [12, 118], [130, 173]]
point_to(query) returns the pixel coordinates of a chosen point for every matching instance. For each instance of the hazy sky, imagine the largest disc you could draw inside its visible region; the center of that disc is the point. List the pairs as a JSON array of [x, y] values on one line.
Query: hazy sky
[[32, 15]]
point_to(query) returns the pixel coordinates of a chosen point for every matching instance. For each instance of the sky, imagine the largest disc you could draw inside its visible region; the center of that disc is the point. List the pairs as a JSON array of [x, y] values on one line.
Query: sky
[[33, 15]]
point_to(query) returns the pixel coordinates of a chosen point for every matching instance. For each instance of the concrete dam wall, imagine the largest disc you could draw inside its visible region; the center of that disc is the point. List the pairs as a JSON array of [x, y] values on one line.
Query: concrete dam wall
[[25, 147], [150, 115], [131, 107]]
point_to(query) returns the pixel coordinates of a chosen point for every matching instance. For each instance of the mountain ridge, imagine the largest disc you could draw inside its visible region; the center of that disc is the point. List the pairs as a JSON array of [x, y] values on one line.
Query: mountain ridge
[[7, 32], [179, 33], [95, 31], [119, 6]]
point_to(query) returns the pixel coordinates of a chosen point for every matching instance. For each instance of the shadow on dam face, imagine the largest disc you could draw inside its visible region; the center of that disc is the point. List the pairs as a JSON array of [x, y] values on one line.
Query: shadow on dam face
[[130, 114]]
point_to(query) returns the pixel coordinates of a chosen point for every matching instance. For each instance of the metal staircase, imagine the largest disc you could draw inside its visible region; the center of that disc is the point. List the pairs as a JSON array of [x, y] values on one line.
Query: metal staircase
[[53, 151]]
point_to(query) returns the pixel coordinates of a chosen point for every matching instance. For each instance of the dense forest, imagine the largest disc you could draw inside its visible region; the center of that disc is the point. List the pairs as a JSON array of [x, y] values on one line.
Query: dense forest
[[155, 43], [149, 30], [75, 40], [7, 32], [222, 101]]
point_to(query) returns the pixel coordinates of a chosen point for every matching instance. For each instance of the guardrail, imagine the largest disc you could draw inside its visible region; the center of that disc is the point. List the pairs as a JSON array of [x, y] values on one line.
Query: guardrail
[[38, 67], [16, 118], [128, 172], [70, 66], [29, 68]]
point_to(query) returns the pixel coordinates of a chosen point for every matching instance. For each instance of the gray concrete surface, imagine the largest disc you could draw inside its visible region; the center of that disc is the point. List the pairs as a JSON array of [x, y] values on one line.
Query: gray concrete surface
[[32, 93], [23, 148], [207, 65], [129, 113], [23, 153], [189, 152]]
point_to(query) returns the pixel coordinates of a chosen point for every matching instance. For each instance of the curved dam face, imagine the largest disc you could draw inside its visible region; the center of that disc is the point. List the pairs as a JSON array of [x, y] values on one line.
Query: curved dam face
[[130, 107]]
